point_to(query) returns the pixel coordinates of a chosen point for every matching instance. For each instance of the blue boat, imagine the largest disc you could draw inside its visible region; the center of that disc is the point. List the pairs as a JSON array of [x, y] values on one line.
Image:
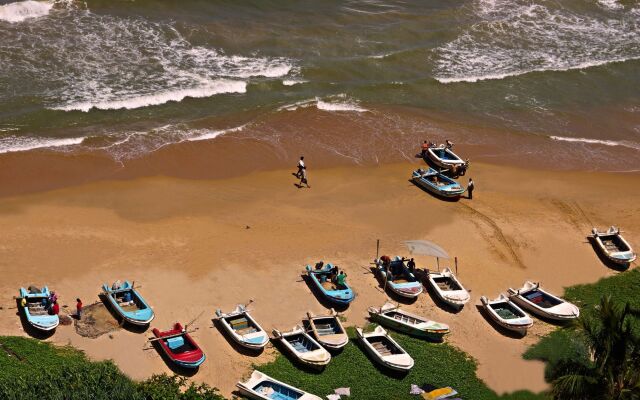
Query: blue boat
[[128, 303], [437, 183], [321, 278], [398, 278], [34, 304]]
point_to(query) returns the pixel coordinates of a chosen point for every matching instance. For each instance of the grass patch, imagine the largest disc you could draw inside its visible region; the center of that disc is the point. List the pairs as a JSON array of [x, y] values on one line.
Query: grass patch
[[30, 369], [435, 364], [563, 344]]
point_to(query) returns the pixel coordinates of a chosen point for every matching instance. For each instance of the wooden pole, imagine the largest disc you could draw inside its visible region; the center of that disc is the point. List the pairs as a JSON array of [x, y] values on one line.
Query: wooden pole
[[456, 260], [377, 248], [438, 263]]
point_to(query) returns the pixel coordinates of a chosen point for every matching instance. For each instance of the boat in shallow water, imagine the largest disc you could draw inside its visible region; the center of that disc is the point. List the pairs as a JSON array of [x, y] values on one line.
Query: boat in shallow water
[[403, 282], [261, 386], [448, 288], [384, 350], [540, 302], [392, 316], [179, 347], [35, 302], [128, 303], [437, 183], [303, 347], [242, 328], [613, 246], [328, 330], [330, 290], [507, 314]]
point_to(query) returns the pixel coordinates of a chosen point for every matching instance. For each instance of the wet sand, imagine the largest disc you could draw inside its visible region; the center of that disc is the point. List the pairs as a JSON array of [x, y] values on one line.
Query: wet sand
[[195, 244]]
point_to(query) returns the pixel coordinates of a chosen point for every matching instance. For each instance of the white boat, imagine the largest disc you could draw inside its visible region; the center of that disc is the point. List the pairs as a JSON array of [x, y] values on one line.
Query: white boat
[[613, 246], [260, 386], [444, 157], [242, 328], [507, 314], [540, 302], [385, 350], [392, 316], [403, 283], [328, 330], [448, 288], [303, 347]]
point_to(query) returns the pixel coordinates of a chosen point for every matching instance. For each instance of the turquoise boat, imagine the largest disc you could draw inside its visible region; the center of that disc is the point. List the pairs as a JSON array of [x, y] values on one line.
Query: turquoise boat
[[321, 278], [128, 303], [34, 306], [437, 183]]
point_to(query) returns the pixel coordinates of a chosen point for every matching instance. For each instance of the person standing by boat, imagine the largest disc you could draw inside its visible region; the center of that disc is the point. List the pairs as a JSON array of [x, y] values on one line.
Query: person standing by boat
[[411, 265], [55, 309], [425, 148], [78, 308], [470, 188], [448, 144], [341, 279]]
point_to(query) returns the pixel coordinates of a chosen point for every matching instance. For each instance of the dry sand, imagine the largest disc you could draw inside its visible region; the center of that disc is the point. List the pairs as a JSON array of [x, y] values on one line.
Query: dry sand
[[198, 245]]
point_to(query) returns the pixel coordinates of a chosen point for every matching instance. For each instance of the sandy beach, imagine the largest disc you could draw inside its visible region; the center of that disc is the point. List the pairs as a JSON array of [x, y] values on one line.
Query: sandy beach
[[194, 245]]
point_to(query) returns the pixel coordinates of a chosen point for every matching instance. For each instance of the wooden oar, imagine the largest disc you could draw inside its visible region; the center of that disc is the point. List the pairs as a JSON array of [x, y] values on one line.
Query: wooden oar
[[193, 320], [170, 336]]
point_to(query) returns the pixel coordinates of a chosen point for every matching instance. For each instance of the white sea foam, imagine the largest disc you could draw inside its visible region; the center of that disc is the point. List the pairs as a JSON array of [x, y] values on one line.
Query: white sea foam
[[339, 106], [292, 82], [206, 90], [206, 134], [611, 4], [12, 144], [516, 37], [623, 143], [338, 103], [22, 10], [83, 60]]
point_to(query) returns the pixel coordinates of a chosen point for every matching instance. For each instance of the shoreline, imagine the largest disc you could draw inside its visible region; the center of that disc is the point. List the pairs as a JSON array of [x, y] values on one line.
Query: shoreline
[[186, 242]]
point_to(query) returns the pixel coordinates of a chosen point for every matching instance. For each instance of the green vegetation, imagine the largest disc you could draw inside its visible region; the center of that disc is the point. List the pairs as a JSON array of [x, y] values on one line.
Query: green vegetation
[[30, 369], [599, 356], [435, 364]]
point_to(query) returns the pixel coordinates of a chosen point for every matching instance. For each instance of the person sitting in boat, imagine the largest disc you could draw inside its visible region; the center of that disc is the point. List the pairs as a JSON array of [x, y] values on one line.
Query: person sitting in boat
[[319, 265], [116, 285], [341, 279], [411, 265], [448, 144], [333, 274], [386, 261], [53, 297], [396, 269]]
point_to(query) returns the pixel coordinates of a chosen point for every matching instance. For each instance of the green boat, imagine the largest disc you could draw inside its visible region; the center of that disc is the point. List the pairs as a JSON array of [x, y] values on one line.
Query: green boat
[[391, 316]]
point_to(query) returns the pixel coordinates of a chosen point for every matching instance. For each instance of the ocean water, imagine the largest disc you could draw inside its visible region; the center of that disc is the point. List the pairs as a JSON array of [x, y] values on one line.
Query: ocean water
[[129, 77]]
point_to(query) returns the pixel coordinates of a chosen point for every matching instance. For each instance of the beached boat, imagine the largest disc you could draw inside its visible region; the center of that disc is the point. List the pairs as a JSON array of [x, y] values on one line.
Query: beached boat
[[540, 302], [328, 330], [179, 347], [303, 347], [404, 283], [437, 183], [444, 157], [34, 306], [260, 386], [128, 303], [613, 245], [448, 288], [242, 328], [507, 314], [321, 278], [392, 316], [384, 350]]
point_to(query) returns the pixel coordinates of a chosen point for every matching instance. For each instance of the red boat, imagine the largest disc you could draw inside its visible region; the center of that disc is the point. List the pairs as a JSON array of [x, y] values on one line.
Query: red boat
[[180, 347]]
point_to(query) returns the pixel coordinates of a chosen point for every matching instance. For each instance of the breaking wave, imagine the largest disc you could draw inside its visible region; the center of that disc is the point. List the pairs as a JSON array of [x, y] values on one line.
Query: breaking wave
[[12, 144], [338, 103], [22, 10], [623, 143]]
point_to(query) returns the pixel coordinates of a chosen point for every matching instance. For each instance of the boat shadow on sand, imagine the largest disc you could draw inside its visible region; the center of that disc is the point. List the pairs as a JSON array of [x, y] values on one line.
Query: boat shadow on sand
[[321, 298], [28, 328], [434, 297], [603, 258], [393, 296], [383, 370], [500, 329], [123, 324], [237, 347], [176, 369]]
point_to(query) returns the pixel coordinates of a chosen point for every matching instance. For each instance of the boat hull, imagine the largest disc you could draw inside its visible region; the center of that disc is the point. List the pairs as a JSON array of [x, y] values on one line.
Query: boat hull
[[141, 317], [45, 323], [254, 341], [342, 297], [403, 367], [190, 359], [409, 330], [519, 325]]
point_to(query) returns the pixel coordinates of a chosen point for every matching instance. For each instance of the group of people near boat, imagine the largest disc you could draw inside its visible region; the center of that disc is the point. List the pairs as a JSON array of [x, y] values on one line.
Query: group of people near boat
[[337, 276]]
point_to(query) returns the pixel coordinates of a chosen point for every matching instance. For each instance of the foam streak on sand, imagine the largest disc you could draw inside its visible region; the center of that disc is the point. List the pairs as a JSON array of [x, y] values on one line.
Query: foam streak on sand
[[337, 103], [13, 143], [209, 89], [630, 145], [22, 10]]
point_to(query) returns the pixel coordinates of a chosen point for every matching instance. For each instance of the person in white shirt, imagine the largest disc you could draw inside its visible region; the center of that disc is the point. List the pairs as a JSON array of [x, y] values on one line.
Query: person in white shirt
[[301, 167]]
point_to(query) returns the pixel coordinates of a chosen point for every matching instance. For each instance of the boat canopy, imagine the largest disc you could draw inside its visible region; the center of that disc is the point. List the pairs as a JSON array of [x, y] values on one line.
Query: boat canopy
[[426, 248]]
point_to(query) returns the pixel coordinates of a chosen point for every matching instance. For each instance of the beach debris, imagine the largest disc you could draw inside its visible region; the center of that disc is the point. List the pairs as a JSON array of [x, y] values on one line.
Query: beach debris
[[343, 391], [96, 321]]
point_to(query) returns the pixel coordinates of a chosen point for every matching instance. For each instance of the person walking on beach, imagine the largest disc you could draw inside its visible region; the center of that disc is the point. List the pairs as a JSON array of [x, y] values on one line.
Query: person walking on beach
[[78, 308], [470, 187], [303, 177], [301, 167]]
